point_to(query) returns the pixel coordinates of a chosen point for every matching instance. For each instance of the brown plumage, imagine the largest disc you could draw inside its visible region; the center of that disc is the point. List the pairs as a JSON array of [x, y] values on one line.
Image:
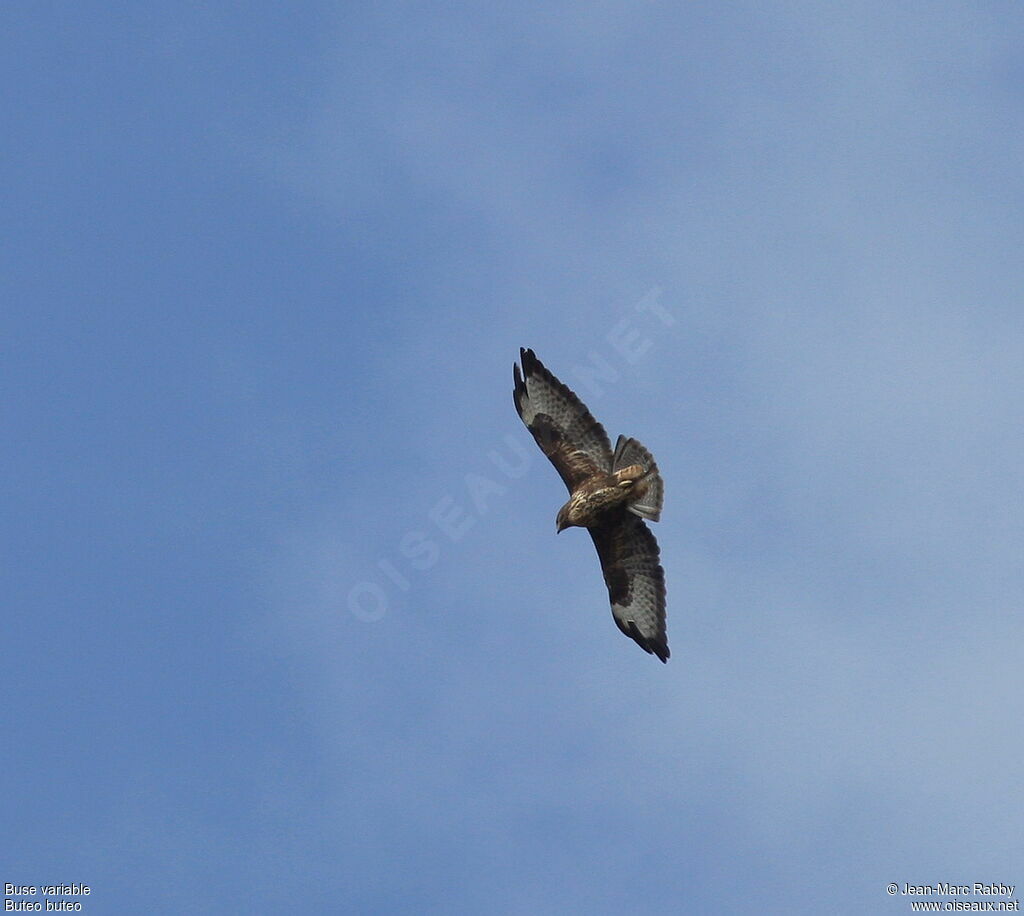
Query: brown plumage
[[610, 494]]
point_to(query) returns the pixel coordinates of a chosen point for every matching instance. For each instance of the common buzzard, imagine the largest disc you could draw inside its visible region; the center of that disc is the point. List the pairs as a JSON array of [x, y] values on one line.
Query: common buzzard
[[610, 494]]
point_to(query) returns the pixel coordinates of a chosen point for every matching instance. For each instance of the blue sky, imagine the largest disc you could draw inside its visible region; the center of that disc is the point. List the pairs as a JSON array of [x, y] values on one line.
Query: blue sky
[[265, 273]]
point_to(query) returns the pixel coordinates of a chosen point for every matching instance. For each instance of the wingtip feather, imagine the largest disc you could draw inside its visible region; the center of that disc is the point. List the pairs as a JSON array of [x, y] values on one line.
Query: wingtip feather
[[531, 365], [518, 389]]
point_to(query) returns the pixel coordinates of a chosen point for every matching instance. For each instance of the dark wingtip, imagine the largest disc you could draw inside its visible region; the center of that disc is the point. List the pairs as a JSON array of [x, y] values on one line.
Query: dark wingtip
[[531, 365], [660, 649]]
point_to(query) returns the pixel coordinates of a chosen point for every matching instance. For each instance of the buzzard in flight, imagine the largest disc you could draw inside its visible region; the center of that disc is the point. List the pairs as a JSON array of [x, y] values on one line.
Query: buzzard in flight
[[611, 493]]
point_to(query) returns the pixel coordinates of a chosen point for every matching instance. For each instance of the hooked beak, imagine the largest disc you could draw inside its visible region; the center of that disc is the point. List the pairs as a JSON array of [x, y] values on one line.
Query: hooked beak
[[561, 523]]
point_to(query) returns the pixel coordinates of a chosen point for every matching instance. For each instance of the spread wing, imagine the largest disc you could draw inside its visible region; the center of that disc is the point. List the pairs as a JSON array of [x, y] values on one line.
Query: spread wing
[[573, 440], [636, 582]]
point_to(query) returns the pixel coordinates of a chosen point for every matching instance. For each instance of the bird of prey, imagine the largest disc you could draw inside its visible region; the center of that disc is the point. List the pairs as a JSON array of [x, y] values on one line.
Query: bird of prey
[[610, 494]]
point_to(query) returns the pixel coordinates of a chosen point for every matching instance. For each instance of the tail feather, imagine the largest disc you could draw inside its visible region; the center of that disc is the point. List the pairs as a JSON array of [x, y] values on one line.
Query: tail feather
[[629, 452]]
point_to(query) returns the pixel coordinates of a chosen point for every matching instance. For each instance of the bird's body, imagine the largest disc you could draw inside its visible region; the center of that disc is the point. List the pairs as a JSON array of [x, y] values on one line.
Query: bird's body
[[610, 494], [600, 495]]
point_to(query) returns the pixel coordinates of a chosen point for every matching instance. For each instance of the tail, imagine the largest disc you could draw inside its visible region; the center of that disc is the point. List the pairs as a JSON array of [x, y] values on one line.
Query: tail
[[629, 452]]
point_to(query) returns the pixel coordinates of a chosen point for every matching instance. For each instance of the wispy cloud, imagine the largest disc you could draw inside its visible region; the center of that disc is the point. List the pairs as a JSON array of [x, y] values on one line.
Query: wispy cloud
[[834, 402]]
